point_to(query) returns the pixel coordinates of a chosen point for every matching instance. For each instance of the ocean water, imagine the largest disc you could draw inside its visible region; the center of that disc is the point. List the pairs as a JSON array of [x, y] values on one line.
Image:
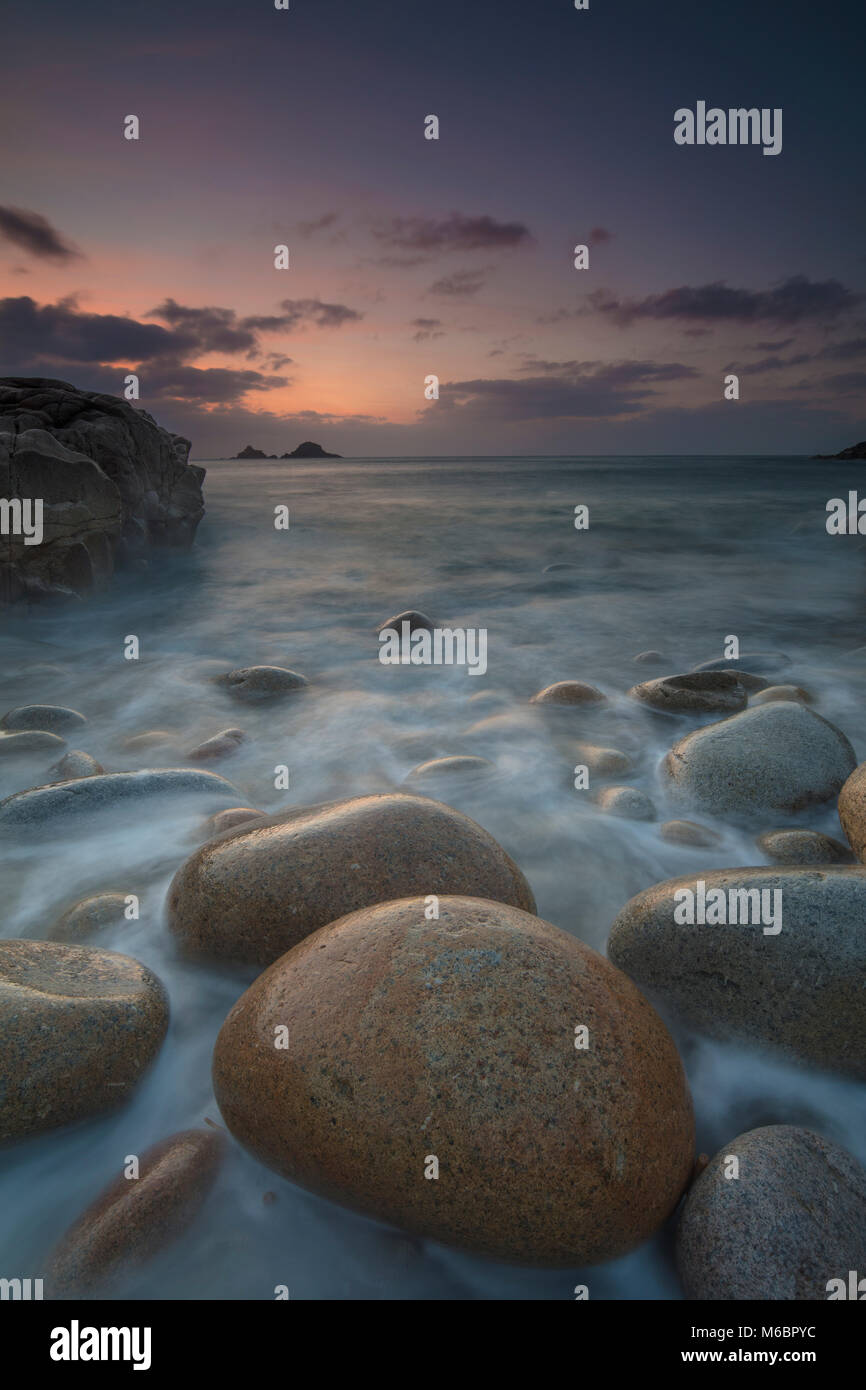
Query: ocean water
[[680, 553]]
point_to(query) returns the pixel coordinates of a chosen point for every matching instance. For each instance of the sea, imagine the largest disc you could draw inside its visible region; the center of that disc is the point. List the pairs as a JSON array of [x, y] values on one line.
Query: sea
[[680, 555]]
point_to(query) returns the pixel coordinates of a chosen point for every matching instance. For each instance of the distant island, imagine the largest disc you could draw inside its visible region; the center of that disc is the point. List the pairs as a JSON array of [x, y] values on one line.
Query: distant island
[[307, 450], [857, 451]]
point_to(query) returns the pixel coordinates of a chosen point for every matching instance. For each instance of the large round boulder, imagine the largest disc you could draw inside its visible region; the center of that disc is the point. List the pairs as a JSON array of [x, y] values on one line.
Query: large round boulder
[[769, 956], [253, 892], [776, 757], [779, 1214], [481, 1078], [78, 1027]]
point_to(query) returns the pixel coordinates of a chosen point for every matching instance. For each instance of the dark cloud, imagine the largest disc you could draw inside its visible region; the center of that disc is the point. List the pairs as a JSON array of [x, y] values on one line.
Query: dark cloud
[[774, 363], [772, 347], [843, 352], [846, 383], [426, 328], [454, 233], [319, 224], [211, 328], [598, 236], [793, 301], [62, 333], [34, 233], [302, 311], [461, 284], [580, 391], [211, 385]]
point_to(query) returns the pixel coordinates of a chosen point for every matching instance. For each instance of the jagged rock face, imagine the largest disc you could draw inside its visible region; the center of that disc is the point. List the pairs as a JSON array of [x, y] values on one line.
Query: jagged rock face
[[112, 482]]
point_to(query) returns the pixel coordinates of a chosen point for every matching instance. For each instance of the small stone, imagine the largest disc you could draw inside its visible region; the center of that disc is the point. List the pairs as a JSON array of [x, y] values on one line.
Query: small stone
[[709, 692], [602, 762], [782, 692], [222, 745], [569, 693], [55, 718], [30, 741], [418, 622], [689, 832], [629, 803], [73, 764], [651, 658], [236, 815], [259, 683], [90, 916], [803, 847], [457, 768]]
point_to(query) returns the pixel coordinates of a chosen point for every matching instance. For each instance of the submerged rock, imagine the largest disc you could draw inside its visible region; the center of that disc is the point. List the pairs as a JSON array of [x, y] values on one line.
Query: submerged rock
[[222, 745], [763, 663], [90, 916], [73, 764], [448, 1047], [777, 757], [254, 892], [689, 832], [444, 771], [136, 1217], [602, 762], [30, 741], [782, 692], [55, 718], [258, 683], [788, 1227], [67, 803], [418, 622], [78, 1027], [790, 978], [651, 659], [627, 802], [708, 692], [236, 815], [569, 693], [803, 847]]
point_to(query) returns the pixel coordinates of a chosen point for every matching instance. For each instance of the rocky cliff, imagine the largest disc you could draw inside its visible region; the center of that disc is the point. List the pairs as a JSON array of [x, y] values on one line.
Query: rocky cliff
[[112, 484]]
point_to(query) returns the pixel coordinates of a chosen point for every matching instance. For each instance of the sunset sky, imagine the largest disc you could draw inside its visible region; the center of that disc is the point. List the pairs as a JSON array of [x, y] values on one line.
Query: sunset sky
[[454, 257]]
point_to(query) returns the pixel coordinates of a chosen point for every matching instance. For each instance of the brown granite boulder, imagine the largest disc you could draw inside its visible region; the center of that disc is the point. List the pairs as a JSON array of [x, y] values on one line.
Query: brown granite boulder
[[852, 810], [783, 1223], [689, 832], [236, 815], [449, 1046], [221, 745], [135, 1217], [253, 892], [78, 1027]]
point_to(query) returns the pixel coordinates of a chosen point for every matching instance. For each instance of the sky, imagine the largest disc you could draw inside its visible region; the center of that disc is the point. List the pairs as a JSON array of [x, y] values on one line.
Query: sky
[[411, 257]]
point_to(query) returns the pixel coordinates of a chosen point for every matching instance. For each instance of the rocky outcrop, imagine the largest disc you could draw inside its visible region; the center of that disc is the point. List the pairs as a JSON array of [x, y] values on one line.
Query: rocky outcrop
[[112, 482], [309, 450], [250, 453], [856, 451]]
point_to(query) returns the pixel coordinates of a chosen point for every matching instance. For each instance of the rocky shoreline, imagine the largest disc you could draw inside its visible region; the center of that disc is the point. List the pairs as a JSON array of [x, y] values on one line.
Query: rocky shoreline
[[421, 1046]]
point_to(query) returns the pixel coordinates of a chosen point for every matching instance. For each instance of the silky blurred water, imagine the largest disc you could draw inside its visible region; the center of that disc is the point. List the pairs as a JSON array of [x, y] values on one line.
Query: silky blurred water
[[679, 554]]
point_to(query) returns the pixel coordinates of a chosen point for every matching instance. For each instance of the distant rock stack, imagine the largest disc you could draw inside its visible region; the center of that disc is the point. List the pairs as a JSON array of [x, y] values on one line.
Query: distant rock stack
[[111, 481]]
